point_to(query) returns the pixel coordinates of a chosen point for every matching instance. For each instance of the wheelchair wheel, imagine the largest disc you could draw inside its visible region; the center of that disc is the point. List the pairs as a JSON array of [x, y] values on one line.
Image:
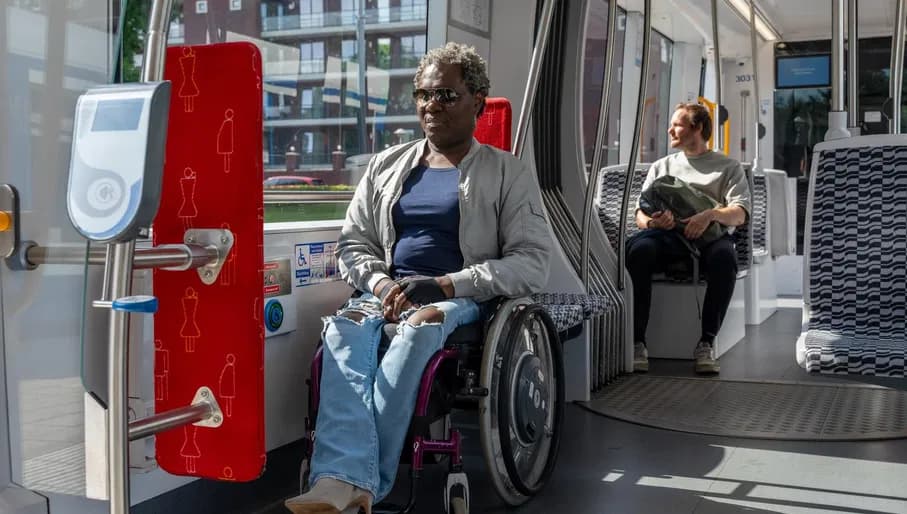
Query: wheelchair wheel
[[522, 416]]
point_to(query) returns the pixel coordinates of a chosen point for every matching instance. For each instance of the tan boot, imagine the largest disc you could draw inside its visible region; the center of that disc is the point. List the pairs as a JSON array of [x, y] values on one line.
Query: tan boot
[[331, 496]]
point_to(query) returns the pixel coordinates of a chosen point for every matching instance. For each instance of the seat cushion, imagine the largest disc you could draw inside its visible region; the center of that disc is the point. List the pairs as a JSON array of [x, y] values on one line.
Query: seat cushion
[[589, 304], [828, 352]]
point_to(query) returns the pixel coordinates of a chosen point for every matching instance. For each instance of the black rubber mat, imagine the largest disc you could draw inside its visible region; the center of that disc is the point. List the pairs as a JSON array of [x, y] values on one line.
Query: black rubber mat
[[764, 410]]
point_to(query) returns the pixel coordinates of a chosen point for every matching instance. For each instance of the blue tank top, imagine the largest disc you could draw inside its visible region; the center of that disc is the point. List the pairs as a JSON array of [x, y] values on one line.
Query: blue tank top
[[427, 223]]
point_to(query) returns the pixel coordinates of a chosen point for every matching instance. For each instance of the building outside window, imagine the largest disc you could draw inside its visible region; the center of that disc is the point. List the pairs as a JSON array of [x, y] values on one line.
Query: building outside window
[[313, 97], [311, 57]]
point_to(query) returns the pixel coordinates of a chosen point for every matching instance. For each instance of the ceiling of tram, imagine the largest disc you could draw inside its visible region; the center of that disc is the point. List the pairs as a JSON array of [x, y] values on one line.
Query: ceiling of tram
[[811, 19], [795, 20], [690, 21]]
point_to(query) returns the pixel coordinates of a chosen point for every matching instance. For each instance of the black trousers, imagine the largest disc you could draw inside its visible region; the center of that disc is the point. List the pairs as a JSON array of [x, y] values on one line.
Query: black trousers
[[653, 251]]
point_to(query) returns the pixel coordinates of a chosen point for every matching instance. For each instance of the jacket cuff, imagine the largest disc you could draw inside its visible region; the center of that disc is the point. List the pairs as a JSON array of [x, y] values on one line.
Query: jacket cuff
[[372, 281], [463, 283]]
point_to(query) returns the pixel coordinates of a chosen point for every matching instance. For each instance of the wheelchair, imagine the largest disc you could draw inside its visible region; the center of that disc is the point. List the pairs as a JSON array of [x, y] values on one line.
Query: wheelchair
[[508, 367]]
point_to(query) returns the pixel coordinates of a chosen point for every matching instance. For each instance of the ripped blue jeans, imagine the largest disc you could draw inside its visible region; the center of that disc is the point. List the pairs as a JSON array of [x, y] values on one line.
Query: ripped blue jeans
[[366, 405]]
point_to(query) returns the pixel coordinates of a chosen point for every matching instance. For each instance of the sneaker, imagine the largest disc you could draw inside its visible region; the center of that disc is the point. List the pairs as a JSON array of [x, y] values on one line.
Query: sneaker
[[706, 362], [640, 358]]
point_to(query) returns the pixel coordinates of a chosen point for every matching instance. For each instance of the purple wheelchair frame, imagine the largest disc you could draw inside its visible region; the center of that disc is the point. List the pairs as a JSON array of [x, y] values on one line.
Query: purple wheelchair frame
[[420, 446]]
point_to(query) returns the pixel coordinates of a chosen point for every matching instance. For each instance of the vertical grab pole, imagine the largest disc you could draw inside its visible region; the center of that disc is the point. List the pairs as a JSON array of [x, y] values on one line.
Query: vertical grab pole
[[535, 66], [897, 68], [719, 127], [853, 73], [837, 55], [634, 148], [597, 154], [118, 274], [754, 48], [837, 115]]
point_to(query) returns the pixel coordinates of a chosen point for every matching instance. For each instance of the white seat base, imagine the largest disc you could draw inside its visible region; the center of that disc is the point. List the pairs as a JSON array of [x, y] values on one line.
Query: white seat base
[[761, 292], [674, 326]]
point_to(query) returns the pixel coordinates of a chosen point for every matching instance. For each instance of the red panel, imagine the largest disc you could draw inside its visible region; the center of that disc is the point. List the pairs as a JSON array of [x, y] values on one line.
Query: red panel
[[493, 126], [213, 335]]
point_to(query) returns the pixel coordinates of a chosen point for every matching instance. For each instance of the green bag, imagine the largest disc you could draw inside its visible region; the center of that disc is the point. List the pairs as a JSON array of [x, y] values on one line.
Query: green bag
[[675, 195]]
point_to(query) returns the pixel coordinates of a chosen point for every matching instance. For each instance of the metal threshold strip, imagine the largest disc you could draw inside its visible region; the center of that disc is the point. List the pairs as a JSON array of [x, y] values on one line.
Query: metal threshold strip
[[795, 411]]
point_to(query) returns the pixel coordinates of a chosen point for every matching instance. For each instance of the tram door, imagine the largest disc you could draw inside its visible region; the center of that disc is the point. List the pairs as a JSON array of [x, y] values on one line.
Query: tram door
[[51, 51]]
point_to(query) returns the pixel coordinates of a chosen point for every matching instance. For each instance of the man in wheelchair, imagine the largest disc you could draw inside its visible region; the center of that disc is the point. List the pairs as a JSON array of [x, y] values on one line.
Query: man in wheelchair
[[436, 227]]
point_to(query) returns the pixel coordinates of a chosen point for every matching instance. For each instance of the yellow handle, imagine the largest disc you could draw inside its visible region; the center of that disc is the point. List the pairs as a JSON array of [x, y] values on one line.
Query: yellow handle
[[6, 221]]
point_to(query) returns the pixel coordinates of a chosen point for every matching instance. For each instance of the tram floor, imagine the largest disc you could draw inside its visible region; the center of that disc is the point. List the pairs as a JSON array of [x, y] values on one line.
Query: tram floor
[[611, 466]]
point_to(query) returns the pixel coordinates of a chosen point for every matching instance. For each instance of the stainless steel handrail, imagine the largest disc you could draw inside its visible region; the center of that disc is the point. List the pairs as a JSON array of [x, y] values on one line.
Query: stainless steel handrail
[[532, 85], [853, 85], [595, 170], [162, 256], [151, 425], [717, 126], [119, 274], [897, 67], [754, 50], [837, 56], [634, 147]]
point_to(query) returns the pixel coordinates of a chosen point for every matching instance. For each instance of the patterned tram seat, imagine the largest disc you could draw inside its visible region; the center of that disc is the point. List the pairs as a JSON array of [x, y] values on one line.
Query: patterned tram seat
[[760, 216], [782, 213], [611, 183], [856, 258]]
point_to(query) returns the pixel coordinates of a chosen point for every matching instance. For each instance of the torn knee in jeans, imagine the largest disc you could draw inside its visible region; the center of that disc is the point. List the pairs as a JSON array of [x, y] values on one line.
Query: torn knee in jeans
[[354, 316], [426, 315]]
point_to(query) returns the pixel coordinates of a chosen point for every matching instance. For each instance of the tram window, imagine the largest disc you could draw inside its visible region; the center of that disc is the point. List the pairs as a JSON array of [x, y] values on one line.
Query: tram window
[[317, 124], [593, 78], [657, 109]]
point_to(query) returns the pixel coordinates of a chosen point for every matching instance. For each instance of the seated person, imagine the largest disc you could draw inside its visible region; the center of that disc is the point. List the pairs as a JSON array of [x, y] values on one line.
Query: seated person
[[436, 227], [658, 245]]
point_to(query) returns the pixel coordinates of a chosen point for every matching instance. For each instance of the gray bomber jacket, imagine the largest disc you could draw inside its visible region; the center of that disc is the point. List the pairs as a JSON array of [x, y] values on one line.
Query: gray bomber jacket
[[504, 235]]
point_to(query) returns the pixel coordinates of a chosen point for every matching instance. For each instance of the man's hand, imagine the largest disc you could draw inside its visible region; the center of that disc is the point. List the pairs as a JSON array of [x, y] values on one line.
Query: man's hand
[[663, 220], [388, 291], [697, 224], [423, 290]]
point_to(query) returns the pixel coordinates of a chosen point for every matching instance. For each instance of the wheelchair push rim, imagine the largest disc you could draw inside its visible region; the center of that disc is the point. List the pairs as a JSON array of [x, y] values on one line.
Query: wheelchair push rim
[[521, 420]]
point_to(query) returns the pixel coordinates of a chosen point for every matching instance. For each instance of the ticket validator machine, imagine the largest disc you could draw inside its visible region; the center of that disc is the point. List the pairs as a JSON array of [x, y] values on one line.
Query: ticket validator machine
[[118, 145]]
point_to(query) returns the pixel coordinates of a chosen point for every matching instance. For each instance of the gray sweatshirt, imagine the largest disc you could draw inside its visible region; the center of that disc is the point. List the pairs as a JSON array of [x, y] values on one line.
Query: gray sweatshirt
[[718, 176], [504, 235]]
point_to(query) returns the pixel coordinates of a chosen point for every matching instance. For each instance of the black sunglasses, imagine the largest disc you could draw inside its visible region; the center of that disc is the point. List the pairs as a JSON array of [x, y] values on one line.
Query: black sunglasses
[[442, 95]]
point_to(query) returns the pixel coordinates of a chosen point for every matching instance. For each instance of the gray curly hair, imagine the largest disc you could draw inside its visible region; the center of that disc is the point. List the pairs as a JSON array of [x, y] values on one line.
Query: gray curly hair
[[473, 67]]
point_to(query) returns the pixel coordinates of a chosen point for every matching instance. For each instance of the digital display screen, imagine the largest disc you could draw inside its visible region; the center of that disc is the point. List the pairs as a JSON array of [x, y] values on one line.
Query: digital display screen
[[117, 115], [803, 71]]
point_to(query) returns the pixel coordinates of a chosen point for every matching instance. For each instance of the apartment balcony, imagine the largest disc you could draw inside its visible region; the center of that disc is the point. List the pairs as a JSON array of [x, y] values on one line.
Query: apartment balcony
[[390, 19], [287, 72], [334, 122]]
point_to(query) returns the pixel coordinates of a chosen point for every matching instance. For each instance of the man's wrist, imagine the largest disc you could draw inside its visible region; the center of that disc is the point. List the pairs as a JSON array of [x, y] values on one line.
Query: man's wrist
[[382, 286], [446, 285]]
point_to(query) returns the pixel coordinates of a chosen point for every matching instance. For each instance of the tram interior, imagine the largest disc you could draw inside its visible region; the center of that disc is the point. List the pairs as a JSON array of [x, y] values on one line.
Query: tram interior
[[807, 415]]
